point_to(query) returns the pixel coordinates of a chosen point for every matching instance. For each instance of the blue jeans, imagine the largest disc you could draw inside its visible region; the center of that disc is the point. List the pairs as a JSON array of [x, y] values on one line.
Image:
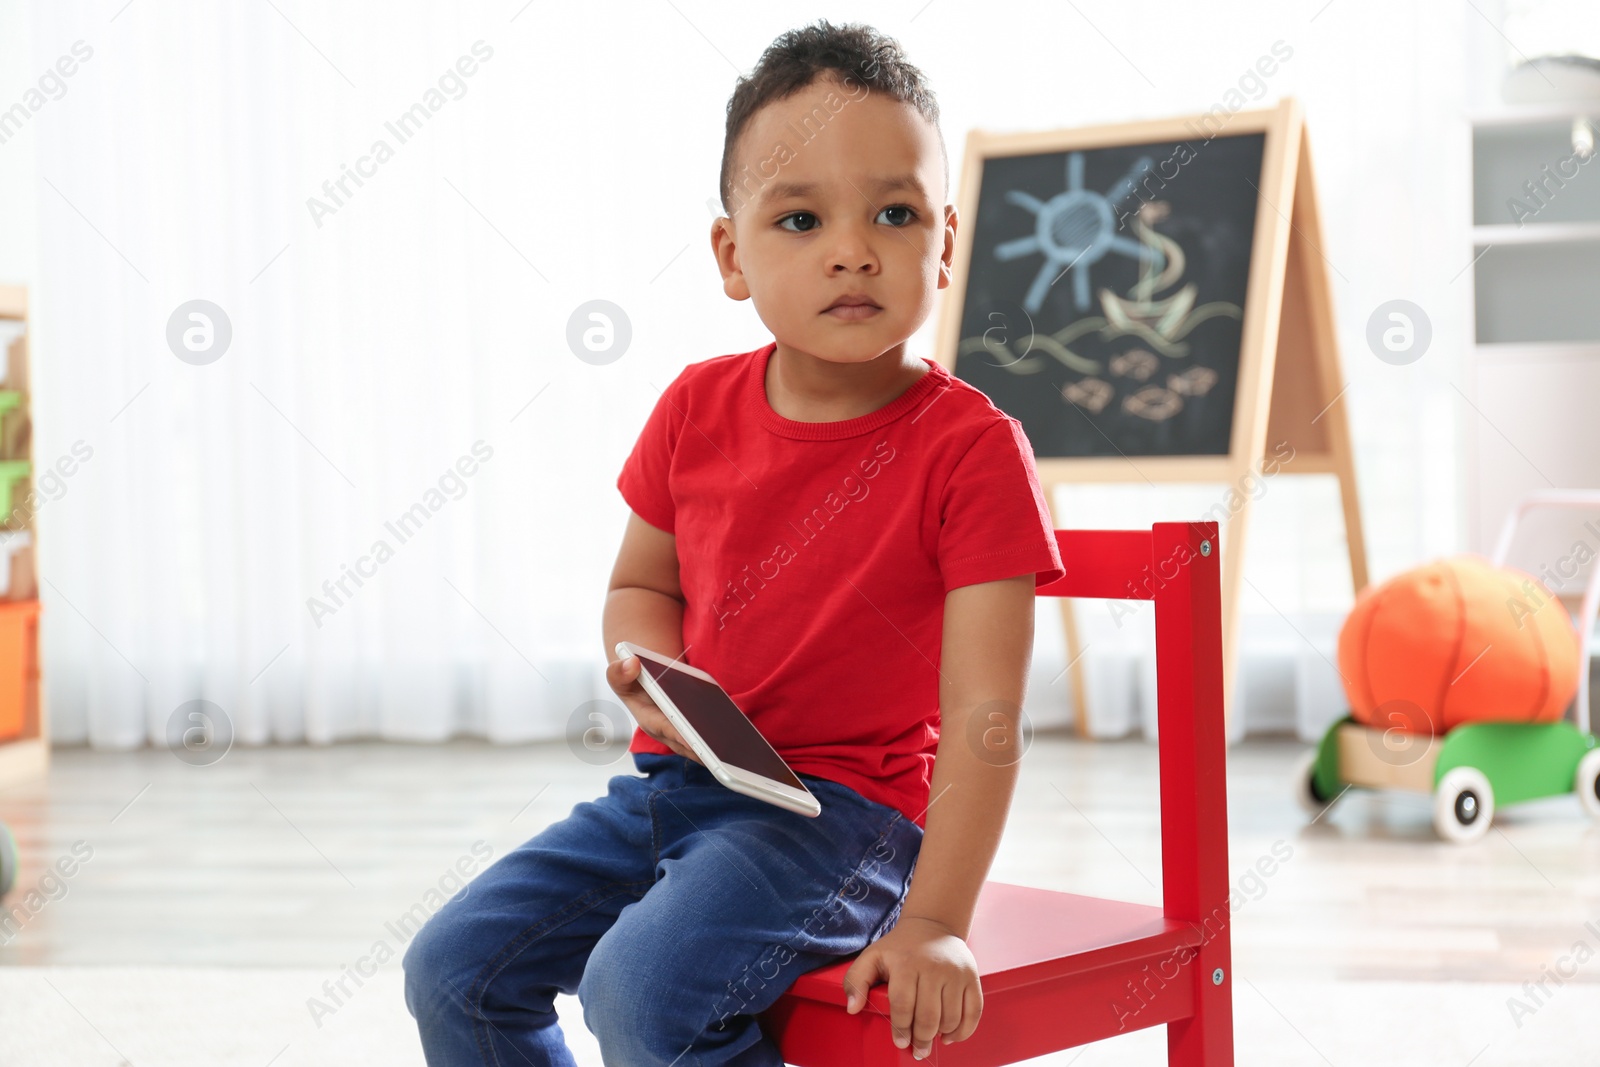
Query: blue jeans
[[675, 908]]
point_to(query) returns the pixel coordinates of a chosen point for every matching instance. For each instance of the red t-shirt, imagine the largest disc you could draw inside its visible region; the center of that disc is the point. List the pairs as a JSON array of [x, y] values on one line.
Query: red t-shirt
[[814, 557]]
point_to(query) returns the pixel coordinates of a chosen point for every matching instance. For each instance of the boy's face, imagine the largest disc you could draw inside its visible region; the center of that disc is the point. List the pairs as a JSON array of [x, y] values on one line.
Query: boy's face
[[834, 194]]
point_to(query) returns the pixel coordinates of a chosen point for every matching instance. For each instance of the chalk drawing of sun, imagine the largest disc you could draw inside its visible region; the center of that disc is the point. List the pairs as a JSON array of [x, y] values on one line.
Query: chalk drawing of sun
[[1074, 230]]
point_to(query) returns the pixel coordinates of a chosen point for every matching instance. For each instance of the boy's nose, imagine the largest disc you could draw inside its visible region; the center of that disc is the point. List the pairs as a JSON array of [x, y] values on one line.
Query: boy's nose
[[854, 257], [852, 250]]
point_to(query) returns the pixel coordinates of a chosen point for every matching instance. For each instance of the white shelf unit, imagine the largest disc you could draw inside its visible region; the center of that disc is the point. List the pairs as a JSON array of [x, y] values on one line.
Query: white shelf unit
[[1533, 372], [26, 756]]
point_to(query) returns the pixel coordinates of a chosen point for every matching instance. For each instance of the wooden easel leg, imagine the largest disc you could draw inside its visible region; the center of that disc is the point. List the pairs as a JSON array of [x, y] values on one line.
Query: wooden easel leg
[[1233, 538], [1352, 522], [1074, 643], [1080, 705], [1316, 292]]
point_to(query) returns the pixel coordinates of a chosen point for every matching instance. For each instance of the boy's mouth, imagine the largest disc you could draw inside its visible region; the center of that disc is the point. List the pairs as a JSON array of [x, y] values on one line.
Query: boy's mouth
[[852, 307]]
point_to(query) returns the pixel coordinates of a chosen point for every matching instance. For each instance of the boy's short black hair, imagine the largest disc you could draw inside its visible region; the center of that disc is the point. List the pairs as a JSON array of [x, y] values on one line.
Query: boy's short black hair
[[854, 53]]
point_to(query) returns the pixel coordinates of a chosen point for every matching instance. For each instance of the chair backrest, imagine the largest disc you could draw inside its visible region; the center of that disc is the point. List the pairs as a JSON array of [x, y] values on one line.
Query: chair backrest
[[1178, 566]]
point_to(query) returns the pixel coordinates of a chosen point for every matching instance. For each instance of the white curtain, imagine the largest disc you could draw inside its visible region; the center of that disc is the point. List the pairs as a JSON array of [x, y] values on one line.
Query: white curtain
[[424, 312], [372, 348]]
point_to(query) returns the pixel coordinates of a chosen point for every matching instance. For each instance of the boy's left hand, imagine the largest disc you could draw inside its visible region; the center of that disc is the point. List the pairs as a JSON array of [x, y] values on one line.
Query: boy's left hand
[[933, 983]]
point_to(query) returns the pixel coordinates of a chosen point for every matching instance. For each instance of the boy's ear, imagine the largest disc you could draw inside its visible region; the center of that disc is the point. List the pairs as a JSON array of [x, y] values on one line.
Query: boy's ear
[[947, 257], [727, 254]]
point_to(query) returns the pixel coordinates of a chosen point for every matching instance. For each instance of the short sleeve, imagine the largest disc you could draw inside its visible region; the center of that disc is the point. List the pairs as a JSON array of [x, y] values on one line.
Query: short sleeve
[[994, 522], [643, 480]]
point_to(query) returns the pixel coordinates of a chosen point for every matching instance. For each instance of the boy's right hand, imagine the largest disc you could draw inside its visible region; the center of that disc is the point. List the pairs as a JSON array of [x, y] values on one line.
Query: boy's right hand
[[623, 676]]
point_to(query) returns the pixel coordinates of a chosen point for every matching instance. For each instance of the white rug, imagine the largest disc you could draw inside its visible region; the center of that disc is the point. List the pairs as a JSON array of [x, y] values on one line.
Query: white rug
[[191, 1017]]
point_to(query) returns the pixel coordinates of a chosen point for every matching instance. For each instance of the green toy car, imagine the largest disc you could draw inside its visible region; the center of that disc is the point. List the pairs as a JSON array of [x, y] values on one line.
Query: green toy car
[[1470, 771], [1476, 767]]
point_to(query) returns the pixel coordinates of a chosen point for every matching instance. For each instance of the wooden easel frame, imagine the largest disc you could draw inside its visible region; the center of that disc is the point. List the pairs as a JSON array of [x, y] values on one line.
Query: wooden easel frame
[[1288, 325]]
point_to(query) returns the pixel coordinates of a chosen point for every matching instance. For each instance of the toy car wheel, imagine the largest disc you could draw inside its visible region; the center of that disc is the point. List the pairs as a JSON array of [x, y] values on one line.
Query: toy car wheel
[[8, 860], [1463, 805], [1312, 802], [1587, 785]]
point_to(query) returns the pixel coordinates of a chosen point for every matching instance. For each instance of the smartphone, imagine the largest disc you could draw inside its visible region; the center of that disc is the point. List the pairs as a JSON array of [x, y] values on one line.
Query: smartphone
[[719, 732]]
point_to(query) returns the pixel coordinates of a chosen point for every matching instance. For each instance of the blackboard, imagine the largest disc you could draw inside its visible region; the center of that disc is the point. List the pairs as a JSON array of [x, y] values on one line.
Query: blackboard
[[1104, 297], [1238, 349]]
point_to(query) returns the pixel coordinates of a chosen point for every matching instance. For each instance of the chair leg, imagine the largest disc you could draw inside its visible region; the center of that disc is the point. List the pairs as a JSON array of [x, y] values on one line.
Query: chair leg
[[1205, 1039]]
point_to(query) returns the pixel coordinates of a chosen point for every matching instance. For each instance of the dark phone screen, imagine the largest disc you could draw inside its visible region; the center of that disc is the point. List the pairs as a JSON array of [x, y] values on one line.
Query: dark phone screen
[[717, 719]]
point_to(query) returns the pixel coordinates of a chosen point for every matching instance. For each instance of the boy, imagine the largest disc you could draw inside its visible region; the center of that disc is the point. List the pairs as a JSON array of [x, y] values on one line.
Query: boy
[[848, 538]]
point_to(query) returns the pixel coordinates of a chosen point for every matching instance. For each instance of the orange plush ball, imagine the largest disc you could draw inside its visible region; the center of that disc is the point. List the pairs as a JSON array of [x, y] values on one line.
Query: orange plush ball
[[1458, 641]]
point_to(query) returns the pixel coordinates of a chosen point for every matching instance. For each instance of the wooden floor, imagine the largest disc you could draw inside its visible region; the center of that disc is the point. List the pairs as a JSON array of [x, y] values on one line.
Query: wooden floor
[[302, 857]]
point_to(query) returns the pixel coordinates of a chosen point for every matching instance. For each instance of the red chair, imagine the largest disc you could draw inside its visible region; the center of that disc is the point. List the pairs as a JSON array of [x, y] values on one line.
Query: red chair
[[1059, 969]]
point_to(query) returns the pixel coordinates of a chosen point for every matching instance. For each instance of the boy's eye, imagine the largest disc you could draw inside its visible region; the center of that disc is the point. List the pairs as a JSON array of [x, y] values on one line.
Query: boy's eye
[[903, 216], [799, 215]]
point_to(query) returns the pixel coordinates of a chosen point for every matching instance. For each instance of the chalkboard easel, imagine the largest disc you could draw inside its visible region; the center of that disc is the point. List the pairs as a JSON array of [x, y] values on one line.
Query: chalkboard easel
[[1152, 302]]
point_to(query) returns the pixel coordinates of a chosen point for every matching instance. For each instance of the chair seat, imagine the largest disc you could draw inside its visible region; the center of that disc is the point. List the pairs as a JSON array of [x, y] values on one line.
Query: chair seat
[[1037, 951]]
